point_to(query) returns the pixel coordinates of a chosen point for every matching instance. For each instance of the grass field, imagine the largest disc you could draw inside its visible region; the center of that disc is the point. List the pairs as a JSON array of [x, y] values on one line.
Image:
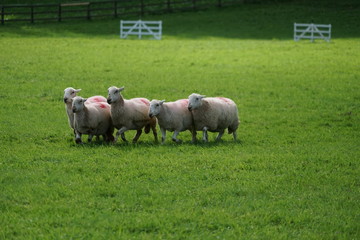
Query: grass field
[[293, 174]]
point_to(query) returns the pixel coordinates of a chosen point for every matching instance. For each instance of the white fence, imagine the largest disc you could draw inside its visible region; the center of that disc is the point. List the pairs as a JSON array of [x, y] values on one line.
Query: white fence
[[312, 31], [141, 28]]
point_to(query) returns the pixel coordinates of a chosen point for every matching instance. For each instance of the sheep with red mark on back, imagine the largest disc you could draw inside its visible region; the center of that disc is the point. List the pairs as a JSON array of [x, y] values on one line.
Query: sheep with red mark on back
[[214, 114], [93, 119], [130, 114], [173, 117], [69, 94]]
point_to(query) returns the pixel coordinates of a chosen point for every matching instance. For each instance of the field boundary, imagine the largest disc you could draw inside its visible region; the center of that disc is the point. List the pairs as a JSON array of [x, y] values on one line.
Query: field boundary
[[99, 9]]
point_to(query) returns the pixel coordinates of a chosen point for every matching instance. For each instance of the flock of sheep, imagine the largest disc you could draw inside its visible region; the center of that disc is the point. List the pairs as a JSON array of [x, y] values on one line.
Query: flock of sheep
[[98, 116]]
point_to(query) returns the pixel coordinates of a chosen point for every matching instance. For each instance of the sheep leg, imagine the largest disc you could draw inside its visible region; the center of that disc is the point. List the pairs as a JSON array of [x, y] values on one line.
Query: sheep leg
[[163, 135], [123, 137], [90, 137], [138, 133], [234, 135], [205, 134], [174, 137], [218, 138], [153, 128], [120, 132], [193, 133], [78, 137], [109, 135]]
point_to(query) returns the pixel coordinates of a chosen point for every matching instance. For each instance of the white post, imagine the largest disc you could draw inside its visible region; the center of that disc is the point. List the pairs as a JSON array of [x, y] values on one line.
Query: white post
[[121, 28], [160, 30]]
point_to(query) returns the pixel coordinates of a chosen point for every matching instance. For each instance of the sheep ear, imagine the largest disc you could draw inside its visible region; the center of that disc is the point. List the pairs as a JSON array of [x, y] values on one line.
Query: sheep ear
[[120, 89], [161, 102], [202, 96], [77, 90], [85, 99]]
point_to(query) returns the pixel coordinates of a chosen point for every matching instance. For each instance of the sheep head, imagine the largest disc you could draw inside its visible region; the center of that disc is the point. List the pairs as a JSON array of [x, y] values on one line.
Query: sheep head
[[155, 107], [78, 104], [70, 93], [114, 94], [195, 101]]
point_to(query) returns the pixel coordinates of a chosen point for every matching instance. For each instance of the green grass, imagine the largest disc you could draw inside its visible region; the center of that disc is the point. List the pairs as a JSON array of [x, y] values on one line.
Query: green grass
[[293, 174]]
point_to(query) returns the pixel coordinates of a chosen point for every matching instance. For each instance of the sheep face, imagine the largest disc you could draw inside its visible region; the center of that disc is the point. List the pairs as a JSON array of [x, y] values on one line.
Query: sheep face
[[78, 104], [69, 94], [155, 107], [114, 94], [195, 101]]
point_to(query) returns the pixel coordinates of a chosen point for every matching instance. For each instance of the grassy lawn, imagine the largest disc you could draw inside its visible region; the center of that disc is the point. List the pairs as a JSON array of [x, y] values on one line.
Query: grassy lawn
[[293, 174]]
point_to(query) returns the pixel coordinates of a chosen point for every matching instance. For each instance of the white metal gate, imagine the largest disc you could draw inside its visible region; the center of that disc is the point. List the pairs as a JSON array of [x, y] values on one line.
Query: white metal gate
[[312, 31], [141, 28]]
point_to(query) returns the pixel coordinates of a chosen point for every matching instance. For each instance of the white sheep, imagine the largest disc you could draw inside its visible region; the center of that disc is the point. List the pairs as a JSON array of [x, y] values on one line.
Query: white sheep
[[69, 94], [93, 119], [130, 114], [174, 117], [214, 114]]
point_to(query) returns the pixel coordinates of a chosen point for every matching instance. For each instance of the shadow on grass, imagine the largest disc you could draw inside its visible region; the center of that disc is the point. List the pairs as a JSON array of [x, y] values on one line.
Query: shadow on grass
[[247, 21], [151, 144]]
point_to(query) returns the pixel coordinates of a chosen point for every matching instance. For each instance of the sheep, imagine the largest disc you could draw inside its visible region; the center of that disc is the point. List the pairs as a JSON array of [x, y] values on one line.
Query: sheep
[[92, 119], [172, 116], [130, 114], [69, 94], [214, 114]]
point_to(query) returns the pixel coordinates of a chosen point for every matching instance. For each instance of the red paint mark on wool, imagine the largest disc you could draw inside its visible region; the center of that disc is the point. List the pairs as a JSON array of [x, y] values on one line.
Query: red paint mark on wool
[[184, 102], [224, 99], [144, 101], [102, 105], [97, 99]]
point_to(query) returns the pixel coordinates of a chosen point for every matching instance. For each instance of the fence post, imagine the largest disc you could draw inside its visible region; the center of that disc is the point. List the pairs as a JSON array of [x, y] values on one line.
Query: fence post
[[88, 12], [59, 13], [142, 7], [115, 9], [168, 4], [219, 3], [2, 15], [32, 13], [194, 4]]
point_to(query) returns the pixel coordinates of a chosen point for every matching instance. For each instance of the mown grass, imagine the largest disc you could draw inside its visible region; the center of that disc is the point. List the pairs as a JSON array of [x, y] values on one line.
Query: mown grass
[[293, 174]]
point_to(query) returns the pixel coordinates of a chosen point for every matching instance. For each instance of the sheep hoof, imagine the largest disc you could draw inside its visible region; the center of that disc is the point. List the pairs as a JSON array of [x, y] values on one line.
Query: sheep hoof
[[177, 140], [78, 141]]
